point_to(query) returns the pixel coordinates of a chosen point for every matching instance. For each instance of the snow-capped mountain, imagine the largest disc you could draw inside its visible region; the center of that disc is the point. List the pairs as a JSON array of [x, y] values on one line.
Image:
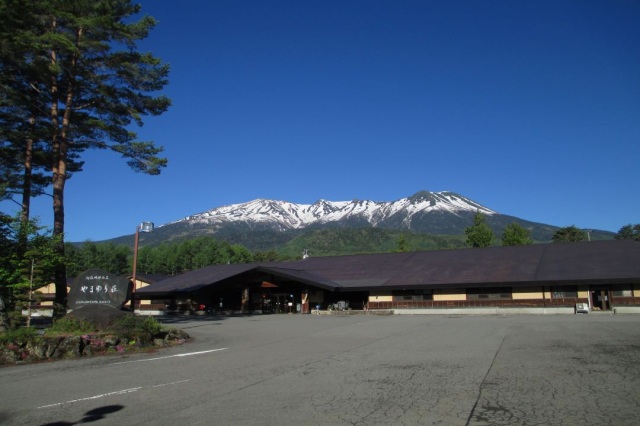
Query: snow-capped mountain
[[436, 220], [283, 215]]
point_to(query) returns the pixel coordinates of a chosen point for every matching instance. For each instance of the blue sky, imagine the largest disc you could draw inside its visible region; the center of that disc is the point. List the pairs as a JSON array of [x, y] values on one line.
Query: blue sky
[[529, 108]]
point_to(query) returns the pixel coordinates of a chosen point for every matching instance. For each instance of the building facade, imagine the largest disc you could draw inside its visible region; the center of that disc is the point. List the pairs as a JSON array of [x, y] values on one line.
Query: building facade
[[545, 278]]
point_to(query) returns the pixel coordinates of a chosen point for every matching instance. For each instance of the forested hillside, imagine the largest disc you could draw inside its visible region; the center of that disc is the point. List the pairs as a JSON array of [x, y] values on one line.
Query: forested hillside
[[182, 252], [175, 257]]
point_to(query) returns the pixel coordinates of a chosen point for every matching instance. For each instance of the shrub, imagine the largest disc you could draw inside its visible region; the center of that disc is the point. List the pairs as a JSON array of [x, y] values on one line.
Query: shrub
[[19, 334], [134, 327], [71, 325]]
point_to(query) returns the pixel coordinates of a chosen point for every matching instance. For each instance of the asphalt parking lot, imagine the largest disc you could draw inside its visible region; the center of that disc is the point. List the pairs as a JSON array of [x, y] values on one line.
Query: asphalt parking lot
[[350, 370]]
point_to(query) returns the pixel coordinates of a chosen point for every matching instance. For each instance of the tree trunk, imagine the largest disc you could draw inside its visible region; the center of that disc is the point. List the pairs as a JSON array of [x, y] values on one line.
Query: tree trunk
[[25, 210], [58, 172], [60, 302], [4, 315]]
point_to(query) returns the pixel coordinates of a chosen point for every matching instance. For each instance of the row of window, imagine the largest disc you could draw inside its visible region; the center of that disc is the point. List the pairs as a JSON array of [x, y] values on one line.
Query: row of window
[[499, 293]]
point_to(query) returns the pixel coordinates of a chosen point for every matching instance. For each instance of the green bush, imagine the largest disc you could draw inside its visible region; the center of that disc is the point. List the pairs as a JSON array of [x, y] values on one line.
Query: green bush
[[18, 334], [136, 327], [71, 325]]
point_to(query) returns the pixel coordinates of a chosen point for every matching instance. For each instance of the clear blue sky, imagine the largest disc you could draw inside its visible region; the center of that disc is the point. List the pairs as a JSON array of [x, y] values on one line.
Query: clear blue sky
[[529, 108]]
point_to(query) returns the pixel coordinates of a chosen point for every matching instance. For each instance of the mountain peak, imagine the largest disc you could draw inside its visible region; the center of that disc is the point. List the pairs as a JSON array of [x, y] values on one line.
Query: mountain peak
[[283, 215], [422, 196]]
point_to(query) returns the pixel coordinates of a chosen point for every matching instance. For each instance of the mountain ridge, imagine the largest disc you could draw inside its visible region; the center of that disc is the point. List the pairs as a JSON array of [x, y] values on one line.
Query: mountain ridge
[[284, 215], [438, 220]]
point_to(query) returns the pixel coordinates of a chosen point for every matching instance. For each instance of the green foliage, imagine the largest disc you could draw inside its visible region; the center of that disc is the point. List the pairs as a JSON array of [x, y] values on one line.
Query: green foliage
[[18, 334], [137, 324], [72, 79], [71, 325], [132, 328], [108, 256], [516, 235], [135, 328], [170, 258], [569, 234], [401, 244], [341, 241], [82, 55], [176, 258], [27, 262], [629, 232], [266, 256], [479, 234]]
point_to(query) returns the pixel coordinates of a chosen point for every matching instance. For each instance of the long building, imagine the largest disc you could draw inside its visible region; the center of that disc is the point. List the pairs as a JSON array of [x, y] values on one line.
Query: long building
[[541, 278]]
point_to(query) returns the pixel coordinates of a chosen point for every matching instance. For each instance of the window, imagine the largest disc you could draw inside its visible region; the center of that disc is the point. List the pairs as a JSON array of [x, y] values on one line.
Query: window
[[622, 293], [564, 292], [489, 293], [399, 295]]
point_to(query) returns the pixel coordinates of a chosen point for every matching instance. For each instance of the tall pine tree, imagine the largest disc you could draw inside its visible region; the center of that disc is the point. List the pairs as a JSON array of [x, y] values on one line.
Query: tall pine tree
[[78, 82]]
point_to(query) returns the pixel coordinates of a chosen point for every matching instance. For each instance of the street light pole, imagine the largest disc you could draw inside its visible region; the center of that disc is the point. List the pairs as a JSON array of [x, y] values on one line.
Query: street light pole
[[143, 227]]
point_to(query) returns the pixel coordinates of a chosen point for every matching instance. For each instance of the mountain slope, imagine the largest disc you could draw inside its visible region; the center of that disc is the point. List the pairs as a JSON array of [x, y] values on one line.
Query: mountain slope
[[281, 225], [283, 215]]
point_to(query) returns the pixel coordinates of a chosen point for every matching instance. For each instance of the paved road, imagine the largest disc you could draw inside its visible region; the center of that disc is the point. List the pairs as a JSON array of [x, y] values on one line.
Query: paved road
[[352, 370]]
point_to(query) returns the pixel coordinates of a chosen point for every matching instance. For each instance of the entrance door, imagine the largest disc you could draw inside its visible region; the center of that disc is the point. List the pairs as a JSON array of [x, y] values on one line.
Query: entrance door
[[600, 299], [285, 303]]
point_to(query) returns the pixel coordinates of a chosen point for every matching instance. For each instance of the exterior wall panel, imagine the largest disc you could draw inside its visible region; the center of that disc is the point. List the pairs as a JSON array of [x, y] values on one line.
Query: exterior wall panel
[[448, 295], [380, 296], [496, 303], [527, 293]]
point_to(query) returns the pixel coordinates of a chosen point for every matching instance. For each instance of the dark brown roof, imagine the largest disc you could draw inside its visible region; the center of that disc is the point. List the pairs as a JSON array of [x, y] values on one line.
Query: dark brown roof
[[540, 264], [195, 280], [150, 278]]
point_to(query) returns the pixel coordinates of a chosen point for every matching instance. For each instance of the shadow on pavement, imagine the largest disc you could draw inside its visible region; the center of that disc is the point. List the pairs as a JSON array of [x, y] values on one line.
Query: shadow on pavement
[[90, 416]]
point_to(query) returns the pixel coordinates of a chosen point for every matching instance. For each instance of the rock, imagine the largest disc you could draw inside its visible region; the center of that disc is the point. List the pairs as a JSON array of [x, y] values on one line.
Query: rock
[[9, 355], [70, 347], [67, 347], [176, 335], [111, 341], [100, 315], [51, 345], [37, 349]]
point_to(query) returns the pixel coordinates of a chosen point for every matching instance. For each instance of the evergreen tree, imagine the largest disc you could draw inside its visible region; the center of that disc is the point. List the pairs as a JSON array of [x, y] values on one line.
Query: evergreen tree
[[19, 272], [401, 244], [629, 232], [107, 256], [516, 235], [569, 234], [479, 234], [77, 83]]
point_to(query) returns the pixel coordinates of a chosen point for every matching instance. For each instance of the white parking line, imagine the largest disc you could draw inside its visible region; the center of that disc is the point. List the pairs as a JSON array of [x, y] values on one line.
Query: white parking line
[[170, 356], [120, 392]]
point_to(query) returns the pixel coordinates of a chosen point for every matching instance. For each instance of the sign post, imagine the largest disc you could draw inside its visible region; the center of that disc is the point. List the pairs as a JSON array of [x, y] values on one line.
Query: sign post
[[143, 227]]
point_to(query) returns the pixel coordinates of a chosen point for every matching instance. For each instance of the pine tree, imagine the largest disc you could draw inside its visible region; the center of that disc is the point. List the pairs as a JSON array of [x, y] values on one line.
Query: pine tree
[[629, 232], [516, 235], [78, 83], [402, 245], [480, 234], [569, 234]]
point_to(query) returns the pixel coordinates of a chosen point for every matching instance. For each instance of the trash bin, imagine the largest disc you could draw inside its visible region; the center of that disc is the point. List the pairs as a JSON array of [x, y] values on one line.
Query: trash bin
[[582, 308]]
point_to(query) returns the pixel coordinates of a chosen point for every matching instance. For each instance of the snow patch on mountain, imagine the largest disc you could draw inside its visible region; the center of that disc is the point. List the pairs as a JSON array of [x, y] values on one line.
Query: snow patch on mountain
[[285, 215]]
